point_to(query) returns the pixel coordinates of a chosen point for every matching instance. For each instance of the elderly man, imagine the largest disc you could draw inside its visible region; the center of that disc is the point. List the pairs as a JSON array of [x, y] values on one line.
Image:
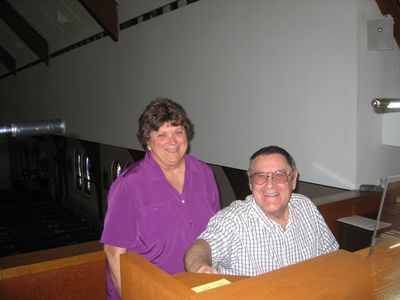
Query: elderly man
[[271, 229]]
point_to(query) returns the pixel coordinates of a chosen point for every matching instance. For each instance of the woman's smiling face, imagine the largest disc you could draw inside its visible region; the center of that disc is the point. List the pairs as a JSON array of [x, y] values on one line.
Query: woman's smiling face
[[168, 145]]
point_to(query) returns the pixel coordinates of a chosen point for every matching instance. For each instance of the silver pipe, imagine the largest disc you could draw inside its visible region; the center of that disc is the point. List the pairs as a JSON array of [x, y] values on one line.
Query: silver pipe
[[34, 128], [385, 105]]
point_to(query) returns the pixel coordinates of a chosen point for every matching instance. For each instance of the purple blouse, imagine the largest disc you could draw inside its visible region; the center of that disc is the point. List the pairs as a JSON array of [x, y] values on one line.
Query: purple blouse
[[147, 215]]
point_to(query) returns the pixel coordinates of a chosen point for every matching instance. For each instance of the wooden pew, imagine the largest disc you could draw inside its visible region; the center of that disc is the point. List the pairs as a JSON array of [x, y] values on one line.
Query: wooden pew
[[143, 280], [71, 272], [338, 275]]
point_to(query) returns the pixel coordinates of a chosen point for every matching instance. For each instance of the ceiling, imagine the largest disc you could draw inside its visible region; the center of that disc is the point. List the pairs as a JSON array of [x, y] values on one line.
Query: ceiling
[[62, 23]]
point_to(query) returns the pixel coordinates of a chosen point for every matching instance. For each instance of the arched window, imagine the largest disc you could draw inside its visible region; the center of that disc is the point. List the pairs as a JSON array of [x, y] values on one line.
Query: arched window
[[83, 177], [116, 169], [87, 179], [78, 171]]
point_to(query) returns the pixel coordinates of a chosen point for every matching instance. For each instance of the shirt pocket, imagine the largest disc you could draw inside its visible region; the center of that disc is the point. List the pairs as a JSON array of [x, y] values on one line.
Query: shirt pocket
[[306, 252], [199, 211], [158, 220], [204, 201]]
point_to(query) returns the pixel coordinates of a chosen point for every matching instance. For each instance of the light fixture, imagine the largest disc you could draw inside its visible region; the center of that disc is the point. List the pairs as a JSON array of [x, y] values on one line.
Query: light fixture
[[34, 128], [386, 105]]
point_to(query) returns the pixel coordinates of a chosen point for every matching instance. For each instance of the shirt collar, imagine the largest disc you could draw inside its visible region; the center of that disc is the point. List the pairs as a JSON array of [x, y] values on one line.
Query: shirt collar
[[261, 215], [153, 172]]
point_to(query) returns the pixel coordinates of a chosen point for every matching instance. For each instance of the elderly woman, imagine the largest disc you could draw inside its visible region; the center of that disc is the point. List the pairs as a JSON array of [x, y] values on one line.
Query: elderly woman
[[160, 204]]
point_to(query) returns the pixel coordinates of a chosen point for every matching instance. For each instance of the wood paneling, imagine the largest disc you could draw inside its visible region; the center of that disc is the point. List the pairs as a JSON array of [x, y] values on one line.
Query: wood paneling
[[363, 204]]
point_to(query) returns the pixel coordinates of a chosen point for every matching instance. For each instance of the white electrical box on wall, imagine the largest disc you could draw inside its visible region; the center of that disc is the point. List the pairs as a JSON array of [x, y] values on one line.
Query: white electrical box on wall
[[380, 34], [391, 125]]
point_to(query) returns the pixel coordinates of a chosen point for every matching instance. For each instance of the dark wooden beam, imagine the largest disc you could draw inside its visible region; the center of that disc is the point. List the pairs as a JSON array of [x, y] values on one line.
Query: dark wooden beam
[[25, 31], [384, 6], [395, 11], [396, 33], [396, 16], [105, 13], [391, 7], [8, 61]]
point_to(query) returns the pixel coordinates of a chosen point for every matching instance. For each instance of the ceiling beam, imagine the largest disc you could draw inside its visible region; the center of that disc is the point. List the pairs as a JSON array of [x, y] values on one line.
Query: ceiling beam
[[384, 6], [391, 7], [25, 31], [105, 13], [396, 33], [8, 61]]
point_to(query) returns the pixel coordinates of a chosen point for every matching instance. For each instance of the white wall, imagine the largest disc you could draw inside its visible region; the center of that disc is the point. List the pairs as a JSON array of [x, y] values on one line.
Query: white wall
[[249, 73], [391, 126], [378, 77]]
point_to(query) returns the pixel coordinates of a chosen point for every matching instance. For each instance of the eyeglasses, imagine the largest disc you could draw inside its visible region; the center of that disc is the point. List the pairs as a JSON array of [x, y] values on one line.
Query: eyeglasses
[[277, 177]]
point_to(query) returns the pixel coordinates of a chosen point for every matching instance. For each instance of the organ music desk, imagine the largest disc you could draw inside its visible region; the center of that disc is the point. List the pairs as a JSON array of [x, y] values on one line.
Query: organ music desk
[[338, 275]]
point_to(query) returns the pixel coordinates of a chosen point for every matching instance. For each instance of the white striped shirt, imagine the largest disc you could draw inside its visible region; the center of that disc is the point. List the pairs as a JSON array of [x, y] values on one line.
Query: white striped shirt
[[244, 241]]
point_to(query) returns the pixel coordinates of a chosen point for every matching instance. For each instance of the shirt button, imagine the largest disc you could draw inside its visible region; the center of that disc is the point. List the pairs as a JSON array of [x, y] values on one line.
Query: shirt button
[[183, 201], [190, 224]]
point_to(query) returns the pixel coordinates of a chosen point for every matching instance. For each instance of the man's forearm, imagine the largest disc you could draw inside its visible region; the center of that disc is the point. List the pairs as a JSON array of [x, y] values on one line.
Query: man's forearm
[[197, 256]]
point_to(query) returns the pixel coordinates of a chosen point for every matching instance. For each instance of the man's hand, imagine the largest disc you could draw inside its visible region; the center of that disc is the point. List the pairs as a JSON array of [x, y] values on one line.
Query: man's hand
[[206, 269], [198, 258]]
